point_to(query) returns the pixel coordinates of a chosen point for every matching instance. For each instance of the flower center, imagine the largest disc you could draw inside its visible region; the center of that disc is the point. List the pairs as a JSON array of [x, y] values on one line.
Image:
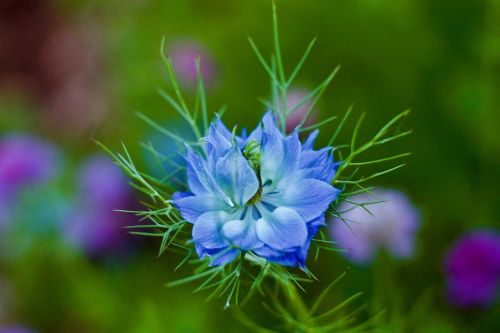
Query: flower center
[[256, 196], [251, 152]]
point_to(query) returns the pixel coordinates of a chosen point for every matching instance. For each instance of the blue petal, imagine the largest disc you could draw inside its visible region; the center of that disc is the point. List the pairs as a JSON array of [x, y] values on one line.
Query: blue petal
[[218, 256], [282, 229], [222, 129], [271, 156], [314, 158], [309, 143], [269, 121], [236, 178], [315, 225], [201, 175], [207, 230], [312, 229], [292, 259], [179, 195], [318, 165], [242, 234], [198, 169], [297, 257], [292, 151], [191, 207], [255, 135], [244, 134], [194, 183], [308, 197], [219, 139]]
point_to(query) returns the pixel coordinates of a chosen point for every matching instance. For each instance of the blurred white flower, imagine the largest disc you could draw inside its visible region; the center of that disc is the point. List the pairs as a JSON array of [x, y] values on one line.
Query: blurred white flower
[[391, 225]]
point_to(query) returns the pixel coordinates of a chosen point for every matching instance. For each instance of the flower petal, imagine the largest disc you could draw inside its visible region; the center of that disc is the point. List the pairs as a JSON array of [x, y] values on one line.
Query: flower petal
[[312, 229], [255, 135], [282, 229], [318, 165], [271, 155], [291, 259], [314, 158], [297, 257], [236, 178], [192, 206], [207, 230], [308, 197], [267, 122], [291, 158], [218, 140], [218, 257], [194, 183], [309, 143], [242, 233], [204, 177]]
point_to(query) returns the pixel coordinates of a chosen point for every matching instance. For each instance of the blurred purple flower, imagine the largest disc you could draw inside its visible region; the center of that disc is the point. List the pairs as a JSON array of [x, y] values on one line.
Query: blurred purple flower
[[472, 268], [4, 209], [94, 225], [98, 232], [15, 329], [391, 226], [184, 54], [102, 184], [25, 160], [294, 97]]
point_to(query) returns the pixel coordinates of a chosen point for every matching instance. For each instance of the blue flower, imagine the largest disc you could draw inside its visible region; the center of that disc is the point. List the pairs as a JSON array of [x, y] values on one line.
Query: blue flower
[[264, 193]]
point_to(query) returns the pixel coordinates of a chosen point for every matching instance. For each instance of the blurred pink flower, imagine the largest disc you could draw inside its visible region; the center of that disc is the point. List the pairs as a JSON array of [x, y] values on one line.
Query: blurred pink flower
[[184, 54], [72, 61], [295, 96], [55, 62]]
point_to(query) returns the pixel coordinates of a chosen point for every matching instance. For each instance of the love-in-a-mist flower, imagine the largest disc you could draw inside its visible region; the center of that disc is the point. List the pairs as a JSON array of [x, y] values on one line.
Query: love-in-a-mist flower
[[184, 54], [293, 101], [390, 224], [95, 226], [266, 193], [472, 269]]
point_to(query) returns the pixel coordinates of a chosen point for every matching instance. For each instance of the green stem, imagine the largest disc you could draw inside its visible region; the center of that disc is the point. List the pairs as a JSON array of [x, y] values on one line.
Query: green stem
[[299, 306]]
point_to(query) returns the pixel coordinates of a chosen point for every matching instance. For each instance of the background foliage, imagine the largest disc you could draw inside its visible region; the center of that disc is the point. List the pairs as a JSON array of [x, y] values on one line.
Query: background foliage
[[439, 58]]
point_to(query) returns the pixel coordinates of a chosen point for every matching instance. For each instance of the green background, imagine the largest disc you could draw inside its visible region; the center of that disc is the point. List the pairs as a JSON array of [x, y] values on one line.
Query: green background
[[440, 58]]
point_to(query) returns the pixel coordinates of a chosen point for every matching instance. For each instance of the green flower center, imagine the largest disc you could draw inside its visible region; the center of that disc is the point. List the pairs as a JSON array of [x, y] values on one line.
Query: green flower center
[[251, 152]]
